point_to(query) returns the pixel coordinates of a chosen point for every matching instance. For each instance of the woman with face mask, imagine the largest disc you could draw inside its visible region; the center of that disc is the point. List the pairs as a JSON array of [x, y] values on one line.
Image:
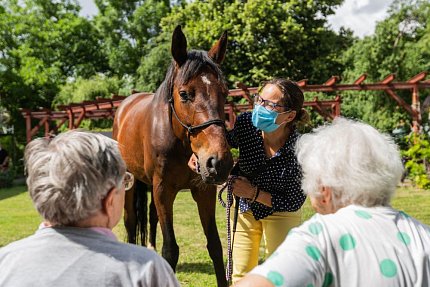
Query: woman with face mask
[[268, 188]]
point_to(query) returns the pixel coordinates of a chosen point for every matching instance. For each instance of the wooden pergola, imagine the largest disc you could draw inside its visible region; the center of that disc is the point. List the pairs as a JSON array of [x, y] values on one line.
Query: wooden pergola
[[73, 114]]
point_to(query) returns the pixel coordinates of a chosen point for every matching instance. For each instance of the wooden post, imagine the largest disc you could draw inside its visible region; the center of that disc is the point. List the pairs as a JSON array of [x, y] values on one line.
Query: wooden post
[[416, 117], [71, 119], [336, 108], [28, 127], [47, 128]]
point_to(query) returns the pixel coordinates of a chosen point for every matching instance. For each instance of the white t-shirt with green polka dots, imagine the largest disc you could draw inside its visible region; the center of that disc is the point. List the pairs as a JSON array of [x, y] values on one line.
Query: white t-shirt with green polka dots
[[356, 246]]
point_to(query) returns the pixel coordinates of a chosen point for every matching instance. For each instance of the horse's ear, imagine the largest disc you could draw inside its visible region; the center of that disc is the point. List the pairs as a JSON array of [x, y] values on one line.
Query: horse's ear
[[179, 46], [217, 52]]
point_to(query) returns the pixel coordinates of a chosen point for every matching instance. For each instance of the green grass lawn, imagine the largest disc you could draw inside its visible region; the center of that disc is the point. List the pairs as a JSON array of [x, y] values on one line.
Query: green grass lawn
[[18, 219]]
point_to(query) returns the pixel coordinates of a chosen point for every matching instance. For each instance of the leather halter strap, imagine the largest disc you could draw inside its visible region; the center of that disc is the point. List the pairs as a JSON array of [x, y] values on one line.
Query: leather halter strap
[[193, 129]]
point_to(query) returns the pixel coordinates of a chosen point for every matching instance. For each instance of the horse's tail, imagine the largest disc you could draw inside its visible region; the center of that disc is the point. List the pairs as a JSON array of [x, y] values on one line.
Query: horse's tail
[[141, 208]]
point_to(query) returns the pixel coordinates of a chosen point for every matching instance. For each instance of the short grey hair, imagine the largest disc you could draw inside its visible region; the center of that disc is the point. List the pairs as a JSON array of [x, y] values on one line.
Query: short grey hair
[[361, 165], [69, 175]]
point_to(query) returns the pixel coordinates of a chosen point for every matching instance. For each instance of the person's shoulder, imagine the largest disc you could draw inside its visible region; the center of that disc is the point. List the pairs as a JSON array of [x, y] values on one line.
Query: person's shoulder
[[292, 139], [244, 120], [18, 245], [244, 117], [128, 250], [412, 222]]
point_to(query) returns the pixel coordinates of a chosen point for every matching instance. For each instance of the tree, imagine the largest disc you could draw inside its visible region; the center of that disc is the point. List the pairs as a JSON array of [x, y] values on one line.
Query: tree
[[266, 38], [400, 45], [128, 26], [43, 45]]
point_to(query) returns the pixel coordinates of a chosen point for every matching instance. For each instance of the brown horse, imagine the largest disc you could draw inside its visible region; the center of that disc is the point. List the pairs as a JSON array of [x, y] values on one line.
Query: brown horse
[[157, 135]]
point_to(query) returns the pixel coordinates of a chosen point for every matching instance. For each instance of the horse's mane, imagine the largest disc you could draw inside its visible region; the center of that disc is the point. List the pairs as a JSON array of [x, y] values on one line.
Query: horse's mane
[[196, 62]]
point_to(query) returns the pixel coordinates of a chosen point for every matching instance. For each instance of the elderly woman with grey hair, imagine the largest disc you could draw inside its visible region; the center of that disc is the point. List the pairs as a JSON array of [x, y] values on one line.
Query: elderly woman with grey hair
[[77, 182], [350, 172]]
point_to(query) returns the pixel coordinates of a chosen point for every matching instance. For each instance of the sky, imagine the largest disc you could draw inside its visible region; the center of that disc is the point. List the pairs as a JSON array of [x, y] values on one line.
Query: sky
[[360, 16]]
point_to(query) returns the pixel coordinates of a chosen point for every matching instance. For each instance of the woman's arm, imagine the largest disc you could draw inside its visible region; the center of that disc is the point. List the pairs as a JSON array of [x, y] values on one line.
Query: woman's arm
[[243, 188], [264, 198], [252, 280]]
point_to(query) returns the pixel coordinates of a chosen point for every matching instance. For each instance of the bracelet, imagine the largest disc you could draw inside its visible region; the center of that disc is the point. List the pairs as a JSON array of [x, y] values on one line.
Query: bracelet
[[256, 194]]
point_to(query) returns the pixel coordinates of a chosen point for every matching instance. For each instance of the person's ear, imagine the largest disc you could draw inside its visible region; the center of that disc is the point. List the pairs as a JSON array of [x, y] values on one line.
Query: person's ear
[[288, 117], [326, 195], [108, 202]]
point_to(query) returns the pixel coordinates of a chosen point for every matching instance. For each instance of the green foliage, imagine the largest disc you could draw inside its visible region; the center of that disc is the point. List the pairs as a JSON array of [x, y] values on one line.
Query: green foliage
[[418, 163], [266, 38], [150, 78], [235, 153], [400, 46], [7, 177], [43, 43], [98, 86], [128, 27]]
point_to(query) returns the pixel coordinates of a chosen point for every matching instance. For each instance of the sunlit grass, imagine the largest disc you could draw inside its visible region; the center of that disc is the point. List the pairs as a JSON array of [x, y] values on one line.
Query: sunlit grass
[[18, 219]]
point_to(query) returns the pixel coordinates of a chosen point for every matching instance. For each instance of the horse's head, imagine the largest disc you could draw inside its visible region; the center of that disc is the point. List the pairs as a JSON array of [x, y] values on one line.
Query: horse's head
[[197, 105]]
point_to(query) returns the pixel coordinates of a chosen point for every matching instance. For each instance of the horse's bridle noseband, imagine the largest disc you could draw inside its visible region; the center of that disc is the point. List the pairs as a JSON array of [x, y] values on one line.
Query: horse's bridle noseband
[[193, 129]]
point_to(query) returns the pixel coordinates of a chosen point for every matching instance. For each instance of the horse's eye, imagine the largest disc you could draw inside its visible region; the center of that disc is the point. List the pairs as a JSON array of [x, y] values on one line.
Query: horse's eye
[[184, 95]]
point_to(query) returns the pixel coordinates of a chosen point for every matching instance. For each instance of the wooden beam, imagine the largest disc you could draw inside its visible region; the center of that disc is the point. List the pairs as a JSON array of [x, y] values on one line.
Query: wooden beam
[[57, 126], [388, 79], [28, 127], [39, 125], [79, 120], [336, 106], [240, 93], [247, 93], [366, 87], [417, 78], [322, 112], [302, 82], [332, 81], [360, 79], [401, 102]]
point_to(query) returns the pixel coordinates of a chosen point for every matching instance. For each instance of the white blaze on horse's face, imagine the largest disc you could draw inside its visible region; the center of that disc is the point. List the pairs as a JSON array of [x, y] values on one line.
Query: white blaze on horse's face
[[206, 80]]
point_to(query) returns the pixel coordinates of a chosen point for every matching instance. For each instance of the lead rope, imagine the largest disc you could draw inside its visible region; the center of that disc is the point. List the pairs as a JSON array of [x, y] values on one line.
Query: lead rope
[[227, 205]]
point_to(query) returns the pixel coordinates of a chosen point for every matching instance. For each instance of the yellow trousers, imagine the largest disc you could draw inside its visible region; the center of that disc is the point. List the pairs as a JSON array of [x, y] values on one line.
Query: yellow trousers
[[249, 232]]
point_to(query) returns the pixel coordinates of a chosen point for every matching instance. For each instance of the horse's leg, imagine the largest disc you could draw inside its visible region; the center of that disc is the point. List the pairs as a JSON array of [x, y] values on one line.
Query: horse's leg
[[130, 218], [141, 207], [153, 221], [163, 199], [206, 200]]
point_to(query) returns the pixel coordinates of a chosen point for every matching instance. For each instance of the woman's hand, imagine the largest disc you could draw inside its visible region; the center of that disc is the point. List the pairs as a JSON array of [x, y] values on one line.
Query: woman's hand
[[193, 163], [243, 188]]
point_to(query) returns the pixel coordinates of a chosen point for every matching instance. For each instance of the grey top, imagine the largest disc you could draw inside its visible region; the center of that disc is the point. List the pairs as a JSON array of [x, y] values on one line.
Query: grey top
[[68, 256]]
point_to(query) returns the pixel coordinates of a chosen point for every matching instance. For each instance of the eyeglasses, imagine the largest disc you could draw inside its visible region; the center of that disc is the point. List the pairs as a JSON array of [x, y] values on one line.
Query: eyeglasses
[[128, 180], [271, 106]]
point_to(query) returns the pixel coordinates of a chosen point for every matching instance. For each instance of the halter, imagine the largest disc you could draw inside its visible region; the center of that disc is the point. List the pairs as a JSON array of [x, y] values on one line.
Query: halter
[[193, 129]]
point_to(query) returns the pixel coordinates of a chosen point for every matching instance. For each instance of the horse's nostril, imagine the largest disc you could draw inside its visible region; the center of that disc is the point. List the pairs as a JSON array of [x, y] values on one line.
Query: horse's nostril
[[212, 165]]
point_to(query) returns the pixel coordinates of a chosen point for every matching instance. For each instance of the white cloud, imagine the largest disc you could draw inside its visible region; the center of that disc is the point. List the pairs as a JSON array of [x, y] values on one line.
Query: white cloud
[[360, 15], [89, 8]]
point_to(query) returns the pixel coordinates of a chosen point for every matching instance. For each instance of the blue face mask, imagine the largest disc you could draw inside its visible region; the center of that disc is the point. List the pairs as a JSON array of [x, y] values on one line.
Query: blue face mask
[[264, 119]]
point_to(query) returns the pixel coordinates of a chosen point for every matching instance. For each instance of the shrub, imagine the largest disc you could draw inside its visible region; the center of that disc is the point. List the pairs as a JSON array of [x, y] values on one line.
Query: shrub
[[6, 178], [418, 160]]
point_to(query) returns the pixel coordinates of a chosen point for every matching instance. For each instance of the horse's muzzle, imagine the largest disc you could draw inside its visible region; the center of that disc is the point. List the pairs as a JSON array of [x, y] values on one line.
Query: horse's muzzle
[[216, 171]]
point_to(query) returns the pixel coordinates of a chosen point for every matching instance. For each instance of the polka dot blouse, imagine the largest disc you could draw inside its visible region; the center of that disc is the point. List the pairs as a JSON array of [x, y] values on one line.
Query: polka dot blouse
[[281, 176], [356, 246]]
